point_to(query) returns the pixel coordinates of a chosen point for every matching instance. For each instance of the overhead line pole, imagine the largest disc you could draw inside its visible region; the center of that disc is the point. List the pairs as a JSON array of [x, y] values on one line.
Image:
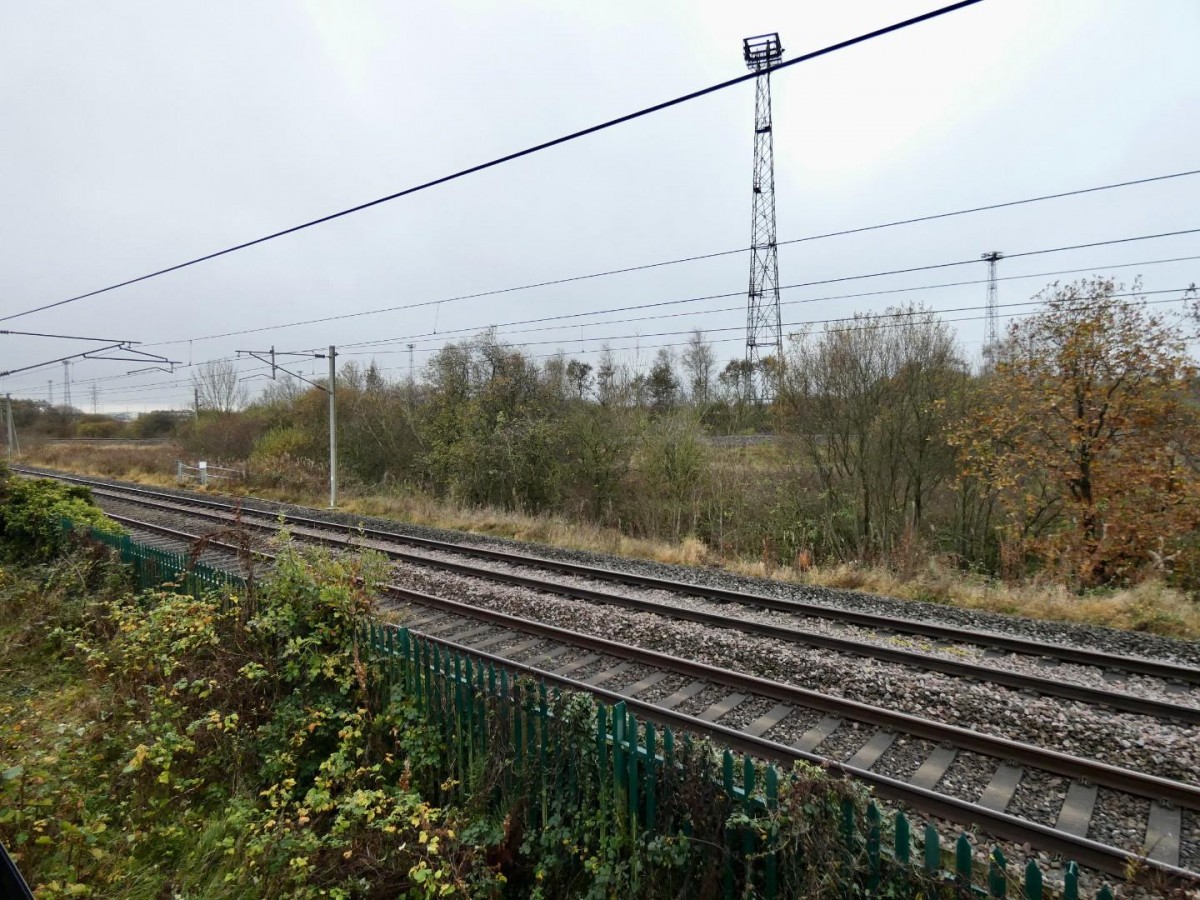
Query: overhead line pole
[[10, 429], [992, 257], [764, 329], [271, 358], [333, 479]]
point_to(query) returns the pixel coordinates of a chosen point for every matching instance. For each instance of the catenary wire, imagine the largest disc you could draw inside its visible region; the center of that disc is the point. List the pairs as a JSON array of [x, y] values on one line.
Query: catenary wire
[[719, 340], [422, 304], [528, 151], [885, 319], [841, 279], [376, 342]]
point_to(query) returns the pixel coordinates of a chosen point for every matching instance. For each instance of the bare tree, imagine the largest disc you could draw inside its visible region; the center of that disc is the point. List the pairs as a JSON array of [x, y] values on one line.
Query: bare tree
[[218, 387], [700, 363], [862, 402]]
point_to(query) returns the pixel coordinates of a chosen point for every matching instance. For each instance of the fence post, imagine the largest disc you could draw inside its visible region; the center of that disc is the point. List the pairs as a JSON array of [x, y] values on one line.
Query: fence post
[[933, 850], [631, 762], [771, 795], [651, 777], [727, 843], [1071, 882], [962, 861], [997, 876], [873, 842], [544, 749], [602, 764], [1033, 882], [749, 839], [903, 840]]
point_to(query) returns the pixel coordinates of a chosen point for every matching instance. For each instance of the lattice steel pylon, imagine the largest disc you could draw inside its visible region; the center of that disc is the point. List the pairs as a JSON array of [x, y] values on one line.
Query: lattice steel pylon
[[993, 331], [764, 328]]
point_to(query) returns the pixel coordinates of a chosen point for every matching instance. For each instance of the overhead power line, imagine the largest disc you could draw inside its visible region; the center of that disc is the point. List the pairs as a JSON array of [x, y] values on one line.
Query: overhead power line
[[427, 303], [894, 320], [377, 342], [862, 317], [700, 298], [495, 292], [528, 151], [66, 337]]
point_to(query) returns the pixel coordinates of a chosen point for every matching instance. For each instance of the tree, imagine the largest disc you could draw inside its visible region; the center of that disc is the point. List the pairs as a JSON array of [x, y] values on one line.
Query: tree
[[700, 363], [661, 383], [862, 401], [218, 387], [1084, 431], [607, 389], [579, 376]]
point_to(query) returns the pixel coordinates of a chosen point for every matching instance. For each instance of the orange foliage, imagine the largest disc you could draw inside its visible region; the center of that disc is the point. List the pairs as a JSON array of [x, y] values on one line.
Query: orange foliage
[[1087, 431]]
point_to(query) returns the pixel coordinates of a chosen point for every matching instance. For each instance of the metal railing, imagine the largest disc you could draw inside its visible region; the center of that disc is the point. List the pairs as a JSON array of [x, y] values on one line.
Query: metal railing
[[203, 472]]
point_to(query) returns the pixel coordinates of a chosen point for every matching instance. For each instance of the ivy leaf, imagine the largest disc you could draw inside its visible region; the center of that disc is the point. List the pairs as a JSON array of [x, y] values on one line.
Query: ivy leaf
[[14, 772]]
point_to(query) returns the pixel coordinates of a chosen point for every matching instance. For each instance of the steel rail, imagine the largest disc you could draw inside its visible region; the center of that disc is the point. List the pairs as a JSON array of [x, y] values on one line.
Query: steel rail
[[1152, 787], [1089, 853], [988, 639], [1018, 681], [1102, 857]]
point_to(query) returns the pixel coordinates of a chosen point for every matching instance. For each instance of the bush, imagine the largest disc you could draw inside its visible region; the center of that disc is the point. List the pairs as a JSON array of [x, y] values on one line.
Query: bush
[[32, 511], [240, 743]]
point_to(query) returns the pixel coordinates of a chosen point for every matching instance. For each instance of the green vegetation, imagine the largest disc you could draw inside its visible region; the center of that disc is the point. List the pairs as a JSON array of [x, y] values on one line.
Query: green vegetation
[[1070, 461], [247, 745], [167, 744], [31, 512]]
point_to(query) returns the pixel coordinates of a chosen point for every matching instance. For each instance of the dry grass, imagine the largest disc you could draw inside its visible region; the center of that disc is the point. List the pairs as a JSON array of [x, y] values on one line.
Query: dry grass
[[1150, 606], [553, 530], [144, 463]]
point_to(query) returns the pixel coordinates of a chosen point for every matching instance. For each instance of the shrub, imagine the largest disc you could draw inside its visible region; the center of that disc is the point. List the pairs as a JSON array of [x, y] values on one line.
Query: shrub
[[32, 511]]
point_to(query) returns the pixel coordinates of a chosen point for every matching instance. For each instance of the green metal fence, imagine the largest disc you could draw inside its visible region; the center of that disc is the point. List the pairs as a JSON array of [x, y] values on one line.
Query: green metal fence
[[154, 567], [480, 711], [471, 701]]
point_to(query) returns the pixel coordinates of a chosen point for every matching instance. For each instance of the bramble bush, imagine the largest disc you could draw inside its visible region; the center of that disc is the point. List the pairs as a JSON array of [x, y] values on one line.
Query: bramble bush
[[229, 747], [31, 512]]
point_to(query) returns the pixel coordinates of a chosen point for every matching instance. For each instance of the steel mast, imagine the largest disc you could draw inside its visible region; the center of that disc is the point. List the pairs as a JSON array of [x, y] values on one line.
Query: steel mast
[[764, 329]]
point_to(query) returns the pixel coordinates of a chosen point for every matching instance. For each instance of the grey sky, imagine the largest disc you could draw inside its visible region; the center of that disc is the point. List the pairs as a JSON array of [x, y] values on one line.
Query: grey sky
[[136, 135]]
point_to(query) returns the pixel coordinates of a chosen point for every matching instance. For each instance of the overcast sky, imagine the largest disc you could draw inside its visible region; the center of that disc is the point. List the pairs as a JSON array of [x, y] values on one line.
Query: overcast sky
[[135, 135]]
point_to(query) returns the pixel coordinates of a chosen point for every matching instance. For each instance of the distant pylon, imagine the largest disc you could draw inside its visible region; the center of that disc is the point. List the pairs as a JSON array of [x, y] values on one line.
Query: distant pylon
[[764, 329], [993, 330], [67, 386]]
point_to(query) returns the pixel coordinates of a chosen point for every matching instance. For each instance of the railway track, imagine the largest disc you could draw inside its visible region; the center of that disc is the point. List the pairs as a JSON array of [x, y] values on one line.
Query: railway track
[[1174, 677], [752, 714]]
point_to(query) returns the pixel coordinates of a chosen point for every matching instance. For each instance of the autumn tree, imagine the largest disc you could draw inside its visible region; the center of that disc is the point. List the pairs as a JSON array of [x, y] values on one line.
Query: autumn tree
[[1083, 430]]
